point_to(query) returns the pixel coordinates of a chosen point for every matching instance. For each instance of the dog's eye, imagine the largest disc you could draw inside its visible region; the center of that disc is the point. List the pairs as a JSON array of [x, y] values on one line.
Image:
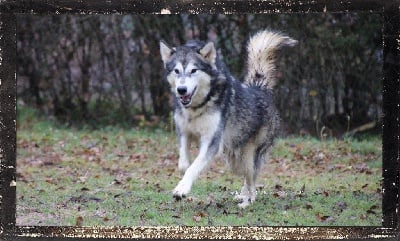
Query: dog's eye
[[193, 71], [176, 71]]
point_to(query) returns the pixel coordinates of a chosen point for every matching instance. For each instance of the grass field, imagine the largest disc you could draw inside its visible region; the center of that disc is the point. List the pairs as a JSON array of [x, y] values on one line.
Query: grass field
[[115, 176]]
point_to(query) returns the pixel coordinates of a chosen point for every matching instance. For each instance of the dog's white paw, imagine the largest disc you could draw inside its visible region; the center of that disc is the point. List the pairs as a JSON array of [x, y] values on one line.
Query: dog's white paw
[[245, 198], [244, 204], [239, 197], [181, 190], [246, 201], [244, 194]]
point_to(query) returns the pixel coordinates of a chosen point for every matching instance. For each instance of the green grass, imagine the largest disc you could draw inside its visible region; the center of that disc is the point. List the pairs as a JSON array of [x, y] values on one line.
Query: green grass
[[115, 176]]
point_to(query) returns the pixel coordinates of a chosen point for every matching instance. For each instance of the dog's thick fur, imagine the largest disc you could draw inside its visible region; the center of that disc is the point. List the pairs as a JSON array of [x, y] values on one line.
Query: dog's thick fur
[[223, 114]]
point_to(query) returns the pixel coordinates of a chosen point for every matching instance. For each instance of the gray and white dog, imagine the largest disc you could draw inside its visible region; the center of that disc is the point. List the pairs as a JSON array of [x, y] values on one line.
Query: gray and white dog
[[226, 116]]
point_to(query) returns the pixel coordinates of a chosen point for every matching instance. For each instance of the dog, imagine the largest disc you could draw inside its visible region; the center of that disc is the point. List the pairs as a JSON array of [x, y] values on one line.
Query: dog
[[226, 116]]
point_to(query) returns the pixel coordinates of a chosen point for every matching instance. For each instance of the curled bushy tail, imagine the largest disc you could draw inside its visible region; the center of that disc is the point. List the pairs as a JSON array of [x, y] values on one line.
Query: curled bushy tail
[[262, 49]]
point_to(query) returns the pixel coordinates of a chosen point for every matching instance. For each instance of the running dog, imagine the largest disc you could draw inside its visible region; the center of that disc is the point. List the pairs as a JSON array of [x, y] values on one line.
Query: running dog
[[225, 115]]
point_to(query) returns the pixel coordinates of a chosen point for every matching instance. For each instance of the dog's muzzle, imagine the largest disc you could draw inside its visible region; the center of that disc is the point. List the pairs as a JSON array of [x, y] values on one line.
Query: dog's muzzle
[[184, 96]]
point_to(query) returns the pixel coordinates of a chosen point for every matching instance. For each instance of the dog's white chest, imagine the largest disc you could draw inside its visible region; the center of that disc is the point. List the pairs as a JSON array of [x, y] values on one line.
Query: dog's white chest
[[199, 124]]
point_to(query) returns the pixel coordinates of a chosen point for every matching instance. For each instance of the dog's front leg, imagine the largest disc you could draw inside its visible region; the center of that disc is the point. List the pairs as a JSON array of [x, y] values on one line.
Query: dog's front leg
[[184, 145], [208, 149]]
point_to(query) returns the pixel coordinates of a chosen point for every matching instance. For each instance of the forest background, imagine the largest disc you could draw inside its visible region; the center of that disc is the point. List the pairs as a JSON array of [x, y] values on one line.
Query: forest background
[[97, 70]]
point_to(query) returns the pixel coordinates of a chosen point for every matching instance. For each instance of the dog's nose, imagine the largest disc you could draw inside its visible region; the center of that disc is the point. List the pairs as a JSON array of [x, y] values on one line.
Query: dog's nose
[[182, 90]]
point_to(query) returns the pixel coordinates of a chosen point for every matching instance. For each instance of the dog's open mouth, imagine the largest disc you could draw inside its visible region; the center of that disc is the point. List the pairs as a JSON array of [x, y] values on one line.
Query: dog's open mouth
[[187, 99]]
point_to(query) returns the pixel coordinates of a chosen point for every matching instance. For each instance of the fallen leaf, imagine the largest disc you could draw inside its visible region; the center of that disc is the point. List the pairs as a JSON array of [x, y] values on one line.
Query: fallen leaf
[[96, 199], [197, 218], [341, 206], [176, 214], [51, 181], [324, 218], [303, 188], [210, 199], [309, 206], [79, 221], [280, 194], [374, 207], [330, 219], [259, 187], [100, 213], [219, 205], [338, 167], [301, 192], [119, 153], [362, 167], [76, 199], [82, 179], [116, 182], [371, 209]]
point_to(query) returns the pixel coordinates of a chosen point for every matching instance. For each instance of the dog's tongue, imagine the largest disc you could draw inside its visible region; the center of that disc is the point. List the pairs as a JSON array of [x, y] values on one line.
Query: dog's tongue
[[186, 98]]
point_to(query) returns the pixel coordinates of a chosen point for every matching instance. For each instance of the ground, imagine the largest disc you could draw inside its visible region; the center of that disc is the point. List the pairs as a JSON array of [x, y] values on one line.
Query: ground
[[115, 176]]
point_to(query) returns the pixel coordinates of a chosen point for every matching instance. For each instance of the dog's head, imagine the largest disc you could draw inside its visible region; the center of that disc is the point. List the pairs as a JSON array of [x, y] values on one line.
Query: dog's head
[[189, 70]]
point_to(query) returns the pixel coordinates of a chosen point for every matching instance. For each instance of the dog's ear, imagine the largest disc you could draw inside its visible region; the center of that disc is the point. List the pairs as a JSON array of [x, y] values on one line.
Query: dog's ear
[[165, 51], [209, 52]]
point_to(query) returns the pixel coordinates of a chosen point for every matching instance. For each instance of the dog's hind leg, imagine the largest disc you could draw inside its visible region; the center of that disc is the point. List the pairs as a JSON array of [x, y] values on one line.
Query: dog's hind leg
[[248, 191], [254, 160], [246, 196], [244, 192]]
